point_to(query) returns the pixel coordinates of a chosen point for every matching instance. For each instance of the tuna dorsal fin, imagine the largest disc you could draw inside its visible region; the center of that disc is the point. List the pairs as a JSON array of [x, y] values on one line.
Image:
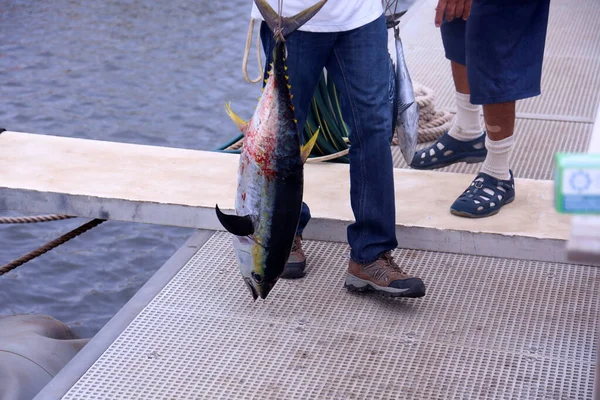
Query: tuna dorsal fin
[[241, 124], [288, 24], [307, 148], [238, 225]]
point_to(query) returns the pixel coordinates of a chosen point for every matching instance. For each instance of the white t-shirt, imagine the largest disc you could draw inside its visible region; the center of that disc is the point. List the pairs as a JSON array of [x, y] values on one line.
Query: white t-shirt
[[334, 16]]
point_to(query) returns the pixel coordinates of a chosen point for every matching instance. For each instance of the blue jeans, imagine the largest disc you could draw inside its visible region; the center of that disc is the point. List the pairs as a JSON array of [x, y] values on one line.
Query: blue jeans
[[358, 62]]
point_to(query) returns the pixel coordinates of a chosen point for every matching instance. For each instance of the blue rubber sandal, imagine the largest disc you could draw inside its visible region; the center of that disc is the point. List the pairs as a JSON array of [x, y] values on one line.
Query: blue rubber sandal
[[447, 151], [484, 197]]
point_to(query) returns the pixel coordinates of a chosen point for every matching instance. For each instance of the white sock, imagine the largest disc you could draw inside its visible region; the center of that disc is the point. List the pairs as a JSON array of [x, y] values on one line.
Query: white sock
[[498, 153], [467, 124]]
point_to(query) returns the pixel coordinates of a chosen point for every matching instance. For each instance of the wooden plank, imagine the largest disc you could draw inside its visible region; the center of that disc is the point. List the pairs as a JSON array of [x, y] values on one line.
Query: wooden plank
[[180, 187]]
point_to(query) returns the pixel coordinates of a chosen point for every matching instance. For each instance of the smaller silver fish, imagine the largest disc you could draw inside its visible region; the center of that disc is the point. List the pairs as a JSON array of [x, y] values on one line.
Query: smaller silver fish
[[406, 109]]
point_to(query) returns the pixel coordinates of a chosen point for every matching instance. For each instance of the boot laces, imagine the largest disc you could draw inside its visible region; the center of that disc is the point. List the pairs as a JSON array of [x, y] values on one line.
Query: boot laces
[[296, 245], [384, 266]]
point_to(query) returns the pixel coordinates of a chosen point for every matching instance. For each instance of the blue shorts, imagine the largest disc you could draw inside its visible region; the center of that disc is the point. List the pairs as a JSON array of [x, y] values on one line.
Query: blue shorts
[[502, 45]]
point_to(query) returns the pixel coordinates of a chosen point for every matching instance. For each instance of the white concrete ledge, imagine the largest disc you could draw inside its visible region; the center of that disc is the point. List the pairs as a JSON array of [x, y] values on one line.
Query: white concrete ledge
[[179, 187]]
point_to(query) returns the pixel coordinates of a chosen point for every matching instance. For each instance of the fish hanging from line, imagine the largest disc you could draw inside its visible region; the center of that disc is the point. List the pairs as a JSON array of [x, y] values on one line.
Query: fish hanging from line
[[271, 169], [405, 108]]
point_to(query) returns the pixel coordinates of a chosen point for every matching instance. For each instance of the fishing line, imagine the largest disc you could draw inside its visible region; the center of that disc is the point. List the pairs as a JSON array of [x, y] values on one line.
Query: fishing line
[[280, 23]]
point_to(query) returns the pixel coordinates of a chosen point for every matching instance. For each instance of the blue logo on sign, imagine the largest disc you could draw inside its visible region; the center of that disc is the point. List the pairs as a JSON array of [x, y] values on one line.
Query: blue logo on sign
[[580, 181]]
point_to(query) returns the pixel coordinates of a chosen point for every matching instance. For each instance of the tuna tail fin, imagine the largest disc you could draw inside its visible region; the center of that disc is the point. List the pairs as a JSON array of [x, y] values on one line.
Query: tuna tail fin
[[307, 148], [241, 124], [235, 224], [397, 34], [392, 20], [288, 24]]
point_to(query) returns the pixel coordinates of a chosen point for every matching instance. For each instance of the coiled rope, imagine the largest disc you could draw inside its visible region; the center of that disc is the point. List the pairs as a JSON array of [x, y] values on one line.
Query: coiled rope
[[432, 123]]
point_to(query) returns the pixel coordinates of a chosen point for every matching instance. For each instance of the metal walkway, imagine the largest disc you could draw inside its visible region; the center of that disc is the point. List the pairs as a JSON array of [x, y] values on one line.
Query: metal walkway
[[489, 328]]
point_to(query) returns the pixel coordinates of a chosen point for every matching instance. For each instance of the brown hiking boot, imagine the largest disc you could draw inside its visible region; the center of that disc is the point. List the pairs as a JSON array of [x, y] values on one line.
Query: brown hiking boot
[[294, 268], [383, 276]]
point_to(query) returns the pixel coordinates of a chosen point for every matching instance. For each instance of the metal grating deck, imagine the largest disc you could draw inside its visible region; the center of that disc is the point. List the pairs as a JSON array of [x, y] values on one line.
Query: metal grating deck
[[487, 329]]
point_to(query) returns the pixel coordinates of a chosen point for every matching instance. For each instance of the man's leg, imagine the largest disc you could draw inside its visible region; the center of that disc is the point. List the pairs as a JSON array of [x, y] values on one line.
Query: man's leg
[[505, 47], [359, 67], [500, 125], [307, 54], [465, 141]]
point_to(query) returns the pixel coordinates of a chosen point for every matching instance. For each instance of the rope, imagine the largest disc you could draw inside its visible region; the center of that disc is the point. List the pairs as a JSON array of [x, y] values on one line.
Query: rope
[[32, 219], [432, 123], [247, 53], [328, 156], [49, 246], [387, 4], [236, 146]]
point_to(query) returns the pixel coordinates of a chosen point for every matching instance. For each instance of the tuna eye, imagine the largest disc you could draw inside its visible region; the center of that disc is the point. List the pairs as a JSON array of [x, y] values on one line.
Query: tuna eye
[[256, 277]]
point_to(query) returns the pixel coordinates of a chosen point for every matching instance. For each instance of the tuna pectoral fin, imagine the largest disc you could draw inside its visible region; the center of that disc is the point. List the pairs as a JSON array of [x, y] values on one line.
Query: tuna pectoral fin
[[241, 124], [404, 106], [307, 148], [289, 24], [240, 226]]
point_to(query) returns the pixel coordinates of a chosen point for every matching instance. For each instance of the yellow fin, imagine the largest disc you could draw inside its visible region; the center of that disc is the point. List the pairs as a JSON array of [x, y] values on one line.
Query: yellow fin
[[241, 124], [307, 148]]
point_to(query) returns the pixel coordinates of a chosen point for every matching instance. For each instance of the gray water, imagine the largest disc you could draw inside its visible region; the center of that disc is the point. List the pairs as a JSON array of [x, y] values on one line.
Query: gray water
[[135, 71]]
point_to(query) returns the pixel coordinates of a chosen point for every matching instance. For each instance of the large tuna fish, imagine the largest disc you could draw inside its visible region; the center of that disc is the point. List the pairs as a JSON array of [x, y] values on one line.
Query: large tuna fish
[[270, 173], [406, 109]]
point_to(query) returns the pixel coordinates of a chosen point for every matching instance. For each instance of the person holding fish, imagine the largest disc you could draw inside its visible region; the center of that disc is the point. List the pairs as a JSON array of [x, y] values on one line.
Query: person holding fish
[[496, 49], [349, 39]]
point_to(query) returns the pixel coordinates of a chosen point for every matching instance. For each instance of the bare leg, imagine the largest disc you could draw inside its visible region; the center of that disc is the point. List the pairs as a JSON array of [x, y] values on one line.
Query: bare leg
[[499, 119], [459, 73]]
